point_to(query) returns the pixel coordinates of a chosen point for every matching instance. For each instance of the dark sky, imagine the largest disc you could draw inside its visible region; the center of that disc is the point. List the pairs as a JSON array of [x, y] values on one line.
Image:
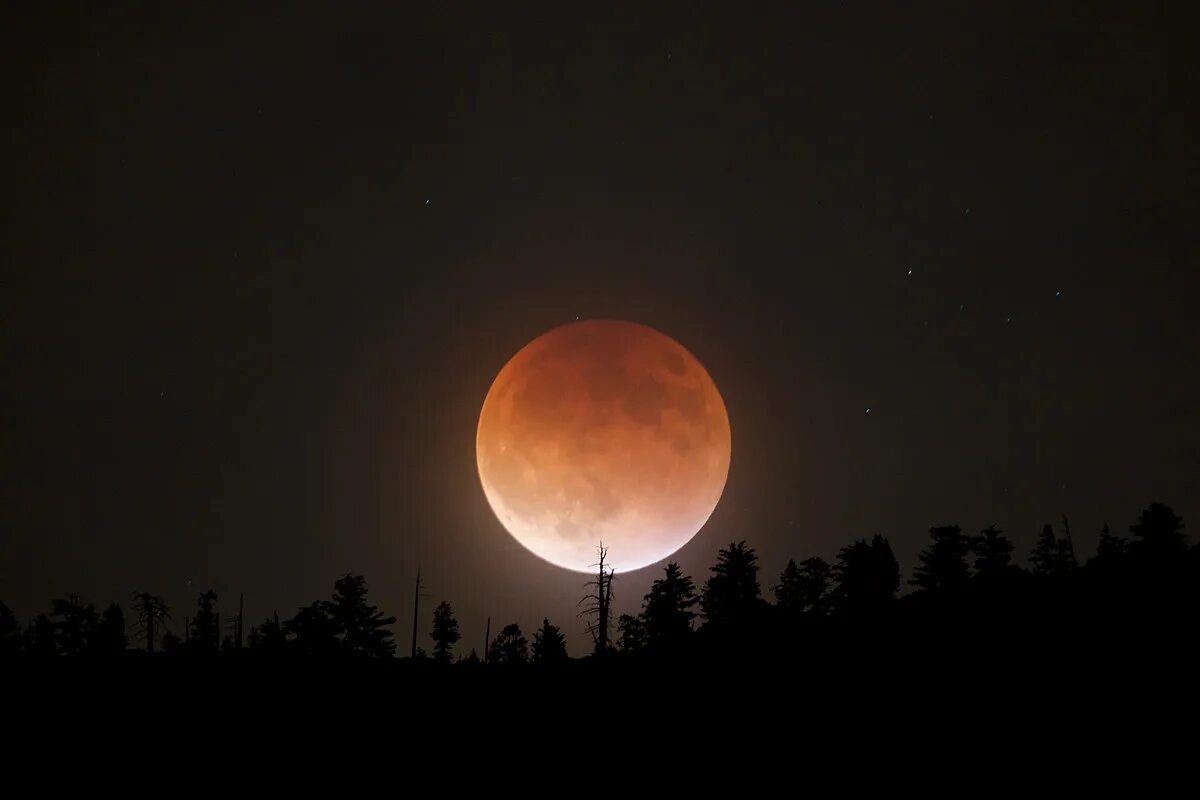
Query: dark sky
[[260, 270]]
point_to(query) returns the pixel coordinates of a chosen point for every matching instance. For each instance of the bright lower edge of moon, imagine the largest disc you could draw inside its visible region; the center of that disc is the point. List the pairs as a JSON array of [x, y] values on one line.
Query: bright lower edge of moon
[[608, 432]]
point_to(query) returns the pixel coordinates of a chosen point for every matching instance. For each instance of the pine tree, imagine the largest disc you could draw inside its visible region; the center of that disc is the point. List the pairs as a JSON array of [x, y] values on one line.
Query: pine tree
[[360, 627], [1159, 534], [667, 609], [204, 634], [152, 616], [549, 645], [1111, 547], [868, 577], [1051, 556], [943, 568], [804, 587], [110, 634], [75, 625], [445, 632], [632, 631], [731, 594], [993, 552], [509, 648], [269, 637], [40, 638]]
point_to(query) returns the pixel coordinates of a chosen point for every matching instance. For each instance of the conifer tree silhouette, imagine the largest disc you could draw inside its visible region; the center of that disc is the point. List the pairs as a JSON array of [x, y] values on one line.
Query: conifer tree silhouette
[[74, 624], [509, 648], [667, 609], [868, 577], [943, 568], [549, 645], [40, 638], [804, 588], [445, 632], [152, 615], [205, 630], [110, 633], [361, 627], [1051, 556], [993, 553], [632, 632], [731, 594]]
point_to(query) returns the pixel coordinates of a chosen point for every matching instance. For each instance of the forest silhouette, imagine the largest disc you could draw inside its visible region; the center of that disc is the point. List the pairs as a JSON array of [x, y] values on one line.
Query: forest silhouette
[[967, 594]]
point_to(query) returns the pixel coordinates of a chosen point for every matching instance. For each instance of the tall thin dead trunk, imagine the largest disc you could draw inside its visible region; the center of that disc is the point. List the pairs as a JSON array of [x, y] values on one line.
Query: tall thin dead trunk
[[416, 609], [598, 602]]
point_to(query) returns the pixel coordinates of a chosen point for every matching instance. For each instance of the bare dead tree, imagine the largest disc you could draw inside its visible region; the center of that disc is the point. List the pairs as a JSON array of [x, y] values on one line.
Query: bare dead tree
[[597, 602], [234, 624], [152, 615], [1070, 542], [417, 595]]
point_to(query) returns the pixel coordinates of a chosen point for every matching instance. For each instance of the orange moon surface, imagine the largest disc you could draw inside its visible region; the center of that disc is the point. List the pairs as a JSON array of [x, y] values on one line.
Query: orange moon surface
[[603, 431]]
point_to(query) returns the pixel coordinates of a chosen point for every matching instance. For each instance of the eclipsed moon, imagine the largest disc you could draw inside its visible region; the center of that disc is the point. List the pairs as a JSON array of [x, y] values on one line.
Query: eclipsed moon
[[603, 431]]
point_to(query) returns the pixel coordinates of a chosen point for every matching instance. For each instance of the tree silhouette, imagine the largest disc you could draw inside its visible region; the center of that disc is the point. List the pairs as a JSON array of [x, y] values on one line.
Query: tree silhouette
[[993, 552], [204, 631], [632, 631], [110, 633], [313, 631], [803, 588], [40, 638], [75, 625], [1158, 534], [1148, 583], [667, 609], [868, 577], [1111, 548], [10, 632], [445, 632], [597, 603], [361, 627], [152, 616], [731, 594], [943, 568], [509, 648], [549, 645], [233, 641], [1051, 556], [269, 637]]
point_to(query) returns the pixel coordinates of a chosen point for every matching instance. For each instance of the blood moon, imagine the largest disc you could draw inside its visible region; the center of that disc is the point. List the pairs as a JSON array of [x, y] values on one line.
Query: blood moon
[[603, 431]]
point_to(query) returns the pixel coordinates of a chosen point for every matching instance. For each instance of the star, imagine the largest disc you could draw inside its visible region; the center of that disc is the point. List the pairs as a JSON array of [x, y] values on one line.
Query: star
[[868, 409], [426, 202], [910, 272], [1007, 320], [1058, 293]]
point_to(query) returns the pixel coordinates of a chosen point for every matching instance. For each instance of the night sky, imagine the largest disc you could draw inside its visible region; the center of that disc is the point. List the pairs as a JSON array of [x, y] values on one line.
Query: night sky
[[260, 270]]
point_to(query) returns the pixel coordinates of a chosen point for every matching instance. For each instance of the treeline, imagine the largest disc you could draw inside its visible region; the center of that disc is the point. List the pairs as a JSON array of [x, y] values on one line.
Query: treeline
[[964, 583]]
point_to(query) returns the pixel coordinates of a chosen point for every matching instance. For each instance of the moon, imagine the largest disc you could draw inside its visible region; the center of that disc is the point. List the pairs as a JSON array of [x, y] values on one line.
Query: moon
[[603, 431]]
